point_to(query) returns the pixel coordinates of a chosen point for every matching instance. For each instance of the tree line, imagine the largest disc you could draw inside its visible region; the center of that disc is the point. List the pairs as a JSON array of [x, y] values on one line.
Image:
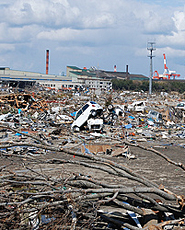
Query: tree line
[[157, 86]]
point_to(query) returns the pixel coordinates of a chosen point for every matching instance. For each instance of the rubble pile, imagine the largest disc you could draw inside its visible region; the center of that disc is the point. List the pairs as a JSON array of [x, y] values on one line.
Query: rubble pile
[[127, 173], [22, 101]]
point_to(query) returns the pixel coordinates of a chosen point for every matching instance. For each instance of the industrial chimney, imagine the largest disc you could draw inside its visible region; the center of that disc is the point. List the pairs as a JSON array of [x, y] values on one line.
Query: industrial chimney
[[127, 72], [115, 68], [47, 61]]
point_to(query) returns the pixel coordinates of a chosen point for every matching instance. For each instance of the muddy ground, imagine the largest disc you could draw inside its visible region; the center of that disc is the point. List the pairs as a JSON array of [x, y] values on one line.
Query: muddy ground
[[146, 163]]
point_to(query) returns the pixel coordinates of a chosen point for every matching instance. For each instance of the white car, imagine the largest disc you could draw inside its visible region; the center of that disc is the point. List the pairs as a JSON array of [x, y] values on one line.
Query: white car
[[155, 116], [90, 110], [181, 106], [95, 124], [137, 106]]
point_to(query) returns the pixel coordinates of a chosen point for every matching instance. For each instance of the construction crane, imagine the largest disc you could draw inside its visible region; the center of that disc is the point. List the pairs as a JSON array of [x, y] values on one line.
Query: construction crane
[[167, 73], [158, 76]]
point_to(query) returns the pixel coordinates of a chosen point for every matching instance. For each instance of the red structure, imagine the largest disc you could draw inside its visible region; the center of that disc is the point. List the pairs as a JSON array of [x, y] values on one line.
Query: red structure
[[159, 77], [167, 72], [167, 75], [115, 68], [47, 61]]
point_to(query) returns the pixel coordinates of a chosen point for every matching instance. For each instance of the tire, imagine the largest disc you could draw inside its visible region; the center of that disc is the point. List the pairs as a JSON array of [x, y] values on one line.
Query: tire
[[110, 107], [76, 129], [114, 117], [93, 113]]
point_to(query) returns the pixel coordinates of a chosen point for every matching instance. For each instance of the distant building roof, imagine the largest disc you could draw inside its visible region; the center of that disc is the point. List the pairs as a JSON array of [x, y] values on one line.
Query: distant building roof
[[111, 75], [120, 75], [74, 67], [105, 74], [84, 73]]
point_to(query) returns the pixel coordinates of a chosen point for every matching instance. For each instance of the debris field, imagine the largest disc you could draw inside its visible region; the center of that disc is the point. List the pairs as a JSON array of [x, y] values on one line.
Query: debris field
[[126, 174]]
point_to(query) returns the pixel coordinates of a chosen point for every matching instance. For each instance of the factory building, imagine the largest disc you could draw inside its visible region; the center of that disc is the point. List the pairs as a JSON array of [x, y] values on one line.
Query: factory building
[[15, 77], [75, 77], [88, 78]]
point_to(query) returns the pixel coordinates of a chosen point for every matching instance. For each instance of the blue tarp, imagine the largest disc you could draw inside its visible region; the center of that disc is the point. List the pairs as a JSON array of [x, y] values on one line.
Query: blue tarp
[[129, 126], [19, 111], [19, 134], [73, 114], [86, 149]]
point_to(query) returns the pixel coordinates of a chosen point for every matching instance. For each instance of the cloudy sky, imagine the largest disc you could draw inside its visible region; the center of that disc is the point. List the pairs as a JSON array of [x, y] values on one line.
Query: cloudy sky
[[85, 33]]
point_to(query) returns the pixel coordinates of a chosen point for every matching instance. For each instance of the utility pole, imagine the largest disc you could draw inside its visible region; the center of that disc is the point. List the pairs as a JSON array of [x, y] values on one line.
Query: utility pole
[[150, 47]]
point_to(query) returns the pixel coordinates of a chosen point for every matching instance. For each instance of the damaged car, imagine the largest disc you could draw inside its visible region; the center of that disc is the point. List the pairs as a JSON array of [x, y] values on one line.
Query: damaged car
[[181, 106], [91, 110], [155, 116], [137, 106]]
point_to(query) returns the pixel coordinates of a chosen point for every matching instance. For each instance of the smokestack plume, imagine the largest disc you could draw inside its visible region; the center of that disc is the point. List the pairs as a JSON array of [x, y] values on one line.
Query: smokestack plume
[[47, 61]]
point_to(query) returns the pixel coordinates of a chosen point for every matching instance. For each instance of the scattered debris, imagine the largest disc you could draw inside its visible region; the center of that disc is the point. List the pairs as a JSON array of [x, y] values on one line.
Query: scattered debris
[[91, 161]]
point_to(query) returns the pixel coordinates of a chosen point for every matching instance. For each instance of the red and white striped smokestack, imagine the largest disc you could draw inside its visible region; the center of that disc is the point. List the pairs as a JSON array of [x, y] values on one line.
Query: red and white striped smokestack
[[115, 68], [47, 61]]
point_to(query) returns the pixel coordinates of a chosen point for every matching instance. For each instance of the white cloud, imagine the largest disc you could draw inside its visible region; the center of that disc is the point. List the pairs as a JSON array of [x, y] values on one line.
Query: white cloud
[[179, 19], [6, 47], [176, 39], [64, 34], [46, 12], [17, 34], [115, 30]]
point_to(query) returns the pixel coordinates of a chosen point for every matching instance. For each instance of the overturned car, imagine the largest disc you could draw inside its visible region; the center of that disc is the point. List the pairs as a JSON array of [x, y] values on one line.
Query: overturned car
[[90, 114]]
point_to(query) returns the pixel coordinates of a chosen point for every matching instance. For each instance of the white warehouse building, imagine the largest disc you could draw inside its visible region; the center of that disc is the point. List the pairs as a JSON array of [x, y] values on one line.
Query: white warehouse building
[[75, 77]]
